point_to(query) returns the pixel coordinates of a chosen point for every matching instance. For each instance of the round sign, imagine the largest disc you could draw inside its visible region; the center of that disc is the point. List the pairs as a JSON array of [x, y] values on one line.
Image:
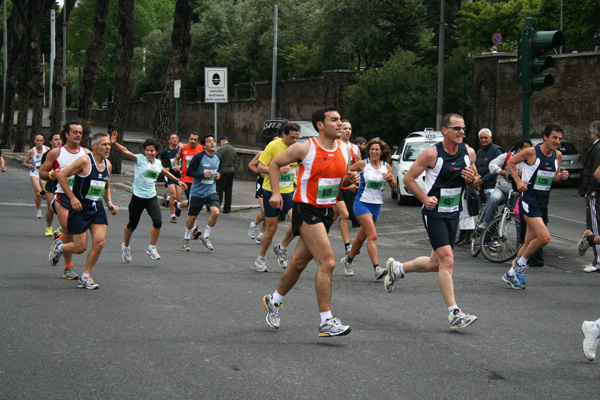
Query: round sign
[[496, 38]]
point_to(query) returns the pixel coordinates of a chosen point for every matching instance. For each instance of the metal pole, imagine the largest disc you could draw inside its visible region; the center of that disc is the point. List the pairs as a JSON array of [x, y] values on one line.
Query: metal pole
[[215, 122], [561, 21], [52, 56], [5, 47], [177, 116], [64, 68], [440, 93], [526, 114], [274, 77], [44, 80]]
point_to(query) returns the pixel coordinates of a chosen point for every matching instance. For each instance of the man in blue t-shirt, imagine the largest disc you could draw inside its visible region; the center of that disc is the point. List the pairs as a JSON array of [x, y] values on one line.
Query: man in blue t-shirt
[[205, 168]]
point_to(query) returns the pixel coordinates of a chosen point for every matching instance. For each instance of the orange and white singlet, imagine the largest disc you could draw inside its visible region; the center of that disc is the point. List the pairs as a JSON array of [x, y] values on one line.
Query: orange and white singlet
[[320, 174]]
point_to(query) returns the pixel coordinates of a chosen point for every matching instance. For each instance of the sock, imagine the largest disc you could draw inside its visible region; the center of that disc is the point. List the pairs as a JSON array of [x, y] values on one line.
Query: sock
[[84, 275], [260, 235], [590, 240], [68, 265], [399, 270], [188, 233], [512, 271], [325, 316], [452, 308], [375, 266], [261, 258], [173, 216], [282, 248], [596, 327], [207, 231], [522, 261], [178, 205], [349, 259], [252, 224], [276, 297], [346, 245]]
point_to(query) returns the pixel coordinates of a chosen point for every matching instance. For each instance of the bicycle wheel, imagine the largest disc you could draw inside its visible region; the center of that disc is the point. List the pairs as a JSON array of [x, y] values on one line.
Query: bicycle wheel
[[475, 243], [500, 240]]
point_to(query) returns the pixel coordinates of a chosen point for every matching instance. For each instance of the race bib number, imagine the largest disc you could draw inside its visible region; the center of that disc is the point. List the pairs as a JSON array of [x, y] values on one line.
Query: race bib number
[[375, 185], [96, 190], [287, 179], [543, 180], [150, 175], [449, 200], [328, 190], [211, 180], [71, 181], [173, 164]]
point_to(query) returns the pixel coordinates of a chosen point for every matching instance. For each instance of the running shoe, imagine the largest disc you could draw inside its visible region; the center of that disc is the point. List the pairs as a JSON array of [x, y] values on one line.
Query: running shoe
[[197, 233], [512, 281], [261, 265], [333, 327], [520, 272], [48, 231], [583, 244], [87, 283], [177, 208], [272, 311], [173, 220], [391, 277], [38, 214], [151, 251], [185, 245], [70, 274], [380, 272], [348, 267], [55, 253], [253, 230], [282, 259], [590, 340], [258, 239], [206, 242], [125, 252], [460, 320], [591, 268]]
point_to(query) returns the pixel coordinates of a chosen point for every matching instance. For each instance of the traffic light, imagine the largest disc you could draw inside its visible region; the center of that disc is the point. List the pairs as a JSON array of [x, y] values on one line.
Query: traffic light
[[533, 57]]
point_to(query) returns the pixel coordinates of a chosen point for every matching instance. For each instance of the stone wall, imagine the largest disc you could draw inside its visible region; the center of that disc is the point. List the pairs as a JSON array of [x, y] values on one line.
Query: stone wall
[[573, 102]]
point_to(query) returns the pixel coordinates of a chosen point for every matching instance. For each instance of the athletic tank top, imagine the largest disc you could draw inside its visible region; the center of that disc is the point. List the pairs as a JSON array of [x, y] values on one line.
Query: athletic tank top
[[444, 182], [187, 153], [372, 184], [89, 189], [320, 174], [36, 160], [540, 176], [354, 151], [64, 159]]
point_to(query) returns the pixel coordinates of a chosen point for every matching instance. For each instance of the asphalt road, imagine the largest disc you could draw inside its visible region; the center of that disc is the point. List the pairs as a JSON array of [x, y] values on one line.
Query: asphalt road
[[192, 324]]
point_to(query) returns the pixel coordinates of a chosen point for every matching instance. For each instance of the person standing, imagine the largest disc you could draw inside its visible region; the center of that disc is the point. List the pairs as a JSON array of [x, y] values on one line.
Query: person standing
[[323, 165], [143, 194], [58, 159], [205, 169], [375, 171], [91, 184], [33, 160], [597, 39], [286, 181], [448, 167], [540, 170], [225, 183], [167, 157], [590, 188]]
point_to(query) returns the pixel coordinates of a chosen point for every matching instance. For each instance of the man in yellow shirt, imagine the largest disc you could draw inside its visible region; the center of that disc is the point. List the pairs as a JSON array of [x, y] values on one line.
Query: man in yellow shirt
[[287, 174]]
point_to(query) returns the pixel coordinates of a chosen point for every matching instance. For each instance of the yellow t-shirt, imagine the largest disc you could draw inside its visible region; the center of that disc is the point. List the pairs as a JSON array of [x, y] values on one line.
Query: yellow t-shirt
[[286, 181]]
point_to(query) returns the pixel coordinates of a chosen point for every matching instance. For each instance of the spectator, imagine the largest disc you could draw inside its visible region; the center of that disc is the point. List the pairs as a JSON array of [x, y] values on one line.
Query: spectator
[[225, 183]]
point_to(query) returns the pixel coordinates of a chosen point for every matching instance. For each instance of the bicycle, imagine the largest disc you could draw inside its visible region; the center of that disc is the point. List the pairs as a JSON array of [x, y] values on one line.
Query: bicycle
[[500, 240], [476, 236]]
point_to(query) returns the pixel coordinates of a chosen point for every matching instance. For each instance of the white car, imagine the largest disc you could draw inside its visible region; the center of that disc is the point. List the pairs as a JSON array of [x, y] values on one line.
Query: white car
[[406, 155]]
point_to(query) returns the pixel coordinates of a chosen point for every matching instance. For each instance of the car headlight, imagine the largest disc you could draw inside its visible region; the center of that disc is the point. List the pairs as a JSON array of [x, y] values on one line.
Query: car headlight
[[404, 171]]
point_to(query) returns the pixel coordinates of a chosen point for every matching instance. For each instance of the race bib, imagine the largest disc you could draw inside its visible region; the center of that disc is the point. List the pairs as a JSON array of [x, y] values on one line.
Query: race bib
[[173, 164], [449, 200], [96, 190], [211, 180], [150, 175], [543, 180], [287, 179], [375, 185], [71, 181], [328, 190]]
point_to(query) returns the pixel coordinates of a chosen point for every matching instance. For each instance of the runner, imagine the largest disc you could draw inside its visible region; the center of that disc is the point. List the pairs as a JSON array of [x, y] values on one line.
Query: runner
[[143, 197], [539, 171], [167, 157], [33, 160], [91, 184], [183, 158], [448, 166], [57, 159], [375, 171], [49, 186], [323, 165], [205, 169], [286, 177]]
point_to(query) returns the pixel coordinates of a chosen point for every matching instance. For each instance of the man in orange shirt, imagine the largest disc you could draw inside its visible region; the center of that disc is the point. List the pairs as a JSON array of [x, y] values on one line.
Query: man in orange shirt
[[185, 154]]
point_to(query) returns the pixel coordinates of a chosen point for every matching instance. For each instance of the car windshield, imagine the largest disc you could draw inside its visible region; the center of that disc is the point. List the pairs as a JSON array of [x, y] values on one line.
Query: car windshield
[[567, 148], [412, 150], [307, 129]]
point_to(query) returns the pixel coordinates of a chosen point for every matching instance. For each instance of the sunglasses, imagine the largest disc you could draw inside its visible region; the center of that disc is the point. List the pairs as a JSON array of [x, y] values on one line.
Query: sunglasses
[[457, 128]]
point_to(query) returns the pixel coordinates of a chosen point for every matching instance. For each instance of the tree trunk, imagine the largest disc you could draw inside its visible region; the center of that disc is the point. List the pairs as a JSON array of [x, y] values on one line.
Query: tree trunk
[[181, 41], [122, 78], [14, 57], [90, 71]]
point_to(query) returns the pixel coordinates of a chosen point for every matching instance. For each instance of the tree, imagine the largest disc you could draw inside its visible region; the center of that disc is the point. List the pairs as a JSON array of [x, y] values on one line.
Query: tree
[[15, 44], [181, 40], [123, 77]]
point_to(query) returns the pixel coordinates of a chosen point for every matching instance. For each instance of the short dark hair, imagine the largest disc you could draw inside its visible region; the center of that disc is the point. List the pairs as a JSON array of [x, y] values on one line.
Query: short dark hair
[[319, 115], [360, 139], [552, 127], [52, 135], [67, 128], [446, 118], [150, 142], [203, 141], [289, 127], [521, 143]]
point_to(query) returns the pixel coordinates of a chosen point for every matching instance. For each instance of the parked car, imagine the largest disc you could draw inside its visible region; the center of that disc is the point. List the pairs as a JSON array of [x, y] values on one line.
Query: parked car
[[572, 161], [406, 155], [274, 127]]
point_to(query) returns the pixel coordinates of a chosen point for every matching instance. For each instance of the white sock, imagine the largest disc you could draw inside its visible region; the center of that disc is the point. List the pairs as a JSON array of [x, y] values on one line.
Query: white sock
[[260, 235], [252, 224], [84, 275], [325, 316], [452, 308], [261, 258], [522, 261], [512, 271], [188, 233], [282, 248], [276, 297], [207, 231]]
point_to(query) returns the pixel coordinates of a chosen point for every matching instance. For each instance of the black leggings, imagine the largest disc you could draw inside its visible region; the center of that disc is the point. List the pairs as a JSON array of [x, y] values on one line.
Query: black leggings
[[137, 205]]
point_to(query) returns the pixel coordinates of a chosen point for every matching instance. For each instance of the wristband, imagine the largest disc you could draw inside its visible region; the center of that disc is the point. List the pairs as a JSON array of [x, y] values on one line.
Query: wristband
[[109, 202]]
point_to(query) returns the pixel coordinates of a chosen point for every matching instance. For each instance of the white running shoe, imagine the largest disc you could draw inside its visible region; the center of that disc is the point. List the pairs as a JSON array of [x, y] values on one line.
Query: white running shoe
[[185, 244], [252, 231], [125, 253], [590, 340], [282, 258], [333, 327], [151, 251], [38, 214], [261, 265], [206, 242], [348, 267]]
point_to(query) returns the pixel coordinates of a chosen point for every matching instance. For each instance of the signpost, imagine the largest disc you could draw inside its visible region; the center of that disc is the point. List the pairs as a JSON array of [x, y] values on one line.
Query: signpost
[[215, 88], [176, 90], [496, 38]]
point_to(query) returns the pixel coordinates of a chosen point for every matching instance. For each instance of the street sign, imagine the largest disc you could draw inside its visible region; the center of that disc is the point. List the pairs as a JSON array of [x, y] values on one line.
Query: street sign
[[176, 88], [215, 85], [496, 38]]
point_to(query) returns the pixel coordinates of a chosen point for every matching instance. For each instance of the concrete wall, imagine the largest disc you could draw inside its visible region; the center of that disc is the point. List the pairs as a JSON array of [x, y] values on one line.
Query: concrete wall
[[573, 102]]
